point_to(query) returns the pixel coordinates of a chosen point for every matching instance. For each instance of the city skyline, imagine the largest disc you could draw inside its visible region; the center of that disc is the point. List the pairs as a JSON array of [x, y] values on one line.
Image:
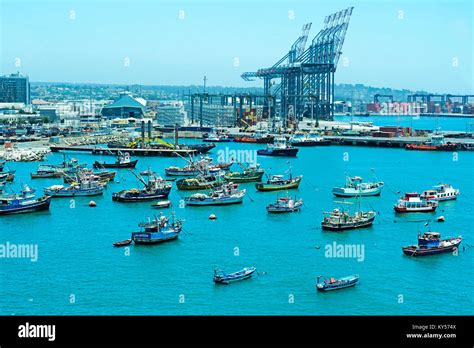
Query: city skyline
[[176, 43]]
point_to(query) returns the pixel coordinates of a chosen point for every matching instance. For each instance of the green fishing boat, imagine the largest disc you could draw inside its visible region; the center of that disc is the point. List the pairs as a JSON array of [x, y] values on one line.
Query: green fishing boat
[[278, 182], [250, 174], [205, 182]]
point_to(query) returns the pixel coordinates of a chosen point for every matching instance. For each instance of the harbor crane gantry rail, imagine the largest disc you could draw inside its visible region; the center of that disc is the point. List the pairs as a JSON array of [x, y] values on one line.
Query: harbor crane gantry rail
[[307, 73]]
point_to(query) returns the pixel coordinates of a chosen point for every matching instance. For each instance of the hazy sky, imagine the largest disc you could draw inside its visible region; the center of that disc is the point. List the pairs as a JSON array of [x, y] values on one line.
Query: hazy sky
[[401, 44]]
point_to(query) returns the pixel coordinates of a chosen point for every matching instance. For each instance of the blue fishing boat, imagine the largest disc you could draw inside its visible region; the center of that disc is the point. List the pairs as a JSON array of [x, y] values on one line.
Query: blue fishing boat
[[220, 277], [158, 230], [328, 284], [25, 202], [82, 188], [430, 243]]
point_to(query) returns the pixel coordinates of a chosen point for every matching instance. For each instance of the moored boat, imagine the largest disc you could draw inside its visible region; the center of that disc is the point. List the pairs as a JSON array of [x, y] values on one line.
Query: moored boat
[[355, 187], [154, 188], [123, 161], [340, 220], [442, 192], [278, 182], [226, 194], [201, 182], [47, 172], [279, 148], [412, 203], [249, 174], [162, 204], [81, 188], [328, 284], [158, 230], [430, 243], [25, 202], [436, 143], [220, 277], [285, 205], [259, 137]]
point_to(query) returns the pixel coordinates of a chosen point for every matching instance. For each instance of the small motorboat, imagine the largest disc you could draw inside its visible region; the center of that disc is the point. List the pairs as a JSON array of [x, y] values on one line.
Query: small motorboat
[[430, 243], [160, 229], [220, 277], [161, 204], [123, 243], [355, 187], [309, 140], [285, 205], [328, 284]]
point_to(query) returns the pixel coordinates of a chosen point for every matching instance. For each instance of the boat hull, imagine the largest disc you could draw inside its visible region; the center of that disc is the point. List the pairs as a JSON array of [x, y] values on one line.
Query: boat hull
[[414, 250], [212, 201], [46, 176], [242, 178], [148, 238], [123, 196], [447, 147], [415, 210], [274, 187], [183, 186], [31, 208], [130, 164], [75, 193], [348, 226], [291, 152], [347, 192], [329, 287]]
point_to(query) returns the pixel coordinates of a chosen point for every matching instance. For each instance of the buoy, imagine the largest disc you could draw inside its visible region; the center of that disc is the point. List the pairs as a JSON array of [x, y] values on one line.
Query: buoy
[[212, 217], [440, 218], [92, 204]]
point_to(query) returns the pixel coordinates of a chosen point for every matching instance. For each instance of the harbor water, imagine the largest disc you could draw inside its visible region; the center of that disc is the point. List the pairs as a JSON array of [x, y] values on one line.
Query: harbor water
[[79, 272]]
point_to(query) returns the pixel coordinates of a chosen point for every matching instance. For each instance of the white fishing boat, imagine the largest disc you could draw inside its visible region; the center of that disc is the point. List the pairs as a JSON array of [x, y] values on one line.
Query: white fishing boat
[[355, 187]]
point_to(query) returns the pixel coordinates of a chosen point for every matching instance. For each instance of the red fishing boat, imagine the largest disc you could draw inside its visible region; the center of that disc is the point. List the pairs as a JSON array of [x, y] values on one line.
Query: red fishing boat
[[437, 143]]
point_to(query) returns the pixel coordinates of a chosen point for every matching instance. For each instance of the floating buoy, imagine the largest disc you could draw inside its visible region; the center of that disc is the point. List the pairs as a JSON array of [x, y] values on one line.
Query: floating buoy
[[92, 204], [212, 217], [440, 218]]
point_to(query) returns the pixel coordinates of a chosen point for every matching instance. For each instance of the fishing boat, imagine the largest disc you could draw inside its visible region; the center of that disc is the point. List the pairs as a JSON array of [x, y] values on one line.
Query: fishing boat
[[249, 174], [328, 284], [123, 161], [102, 176], [278, 182], [339, 220], [259, 137], [46, 172], [193, 167], [226, 194], [81, 188], [25, 202], [285, 205], [355, 187], [7, 176], [154, 188], [200, 182], [220, 277], [308, 139], [430, 243], [436, 143], [442, 192], [158, 230], [412, 203], [280, 148]]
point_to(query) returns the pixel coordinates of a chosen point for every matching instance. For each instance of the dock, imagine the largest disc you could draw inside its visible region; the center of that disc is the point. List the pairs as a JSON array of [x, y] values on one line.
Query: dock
[[133, 152]]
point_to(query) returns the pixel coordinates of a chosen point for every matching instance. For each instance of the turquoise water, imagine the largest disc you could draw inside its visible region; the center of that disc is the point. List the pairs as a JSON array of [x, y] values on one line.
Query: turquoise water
[[77, 260], [461, 124]]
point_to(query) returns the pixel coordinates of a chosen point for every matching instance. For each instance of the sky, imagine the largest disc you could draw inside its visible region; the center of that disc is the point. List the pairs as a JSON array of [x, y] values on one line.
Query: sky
[[417, 45]]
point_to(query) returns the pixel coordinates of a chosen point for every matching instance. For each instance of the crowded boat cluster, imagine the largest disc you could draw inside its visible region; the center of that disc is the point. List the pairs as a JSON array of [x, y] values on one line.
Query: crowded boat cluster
[[205, 183]]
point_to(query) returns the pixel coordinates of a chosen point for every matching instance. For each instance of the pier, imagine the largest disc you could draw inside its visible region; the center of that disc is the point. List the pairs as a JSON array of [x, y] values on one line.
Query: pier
[[133, 152]]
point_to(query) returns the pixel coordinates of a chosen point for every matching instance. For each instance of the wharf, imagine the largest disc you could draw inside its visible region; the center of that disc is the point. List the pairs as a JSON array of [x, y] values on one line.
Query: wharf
[[133, 152]]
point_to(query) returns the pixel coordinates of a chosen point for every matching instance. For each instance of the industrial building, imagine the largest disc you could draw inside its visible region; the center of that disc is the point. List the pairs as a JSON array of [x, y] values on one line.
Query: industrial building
[[170, 114], [124, 107], [15, 88]]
